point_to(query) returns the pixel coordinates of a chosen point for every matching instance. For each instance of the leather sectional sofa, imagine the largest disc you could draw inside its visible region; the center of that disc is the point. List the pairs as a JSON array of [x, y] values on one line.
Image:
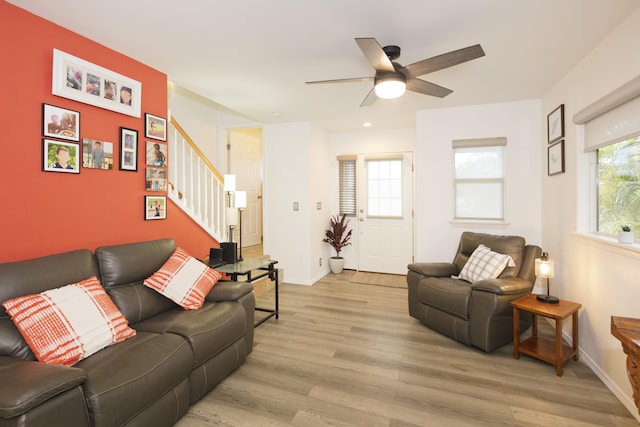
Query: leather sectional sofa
[[151, 379]]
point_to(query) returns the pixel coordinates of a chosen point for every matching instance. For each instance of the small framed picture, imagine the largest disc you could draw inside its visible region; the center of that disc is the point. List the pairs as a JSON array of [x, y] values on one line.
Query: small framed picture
[[58, 122], [155, 207], [156, 179], [97, 154], [60, 156], [155, 127], [555, 124], [555, 158], [128, 149], [156, 154]]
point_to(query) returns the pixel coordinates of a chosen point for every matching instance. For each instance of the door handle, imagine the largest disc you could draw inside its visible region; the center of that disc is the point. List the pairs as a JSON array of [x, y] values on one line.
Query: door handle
[[259, 196], [361, 219]]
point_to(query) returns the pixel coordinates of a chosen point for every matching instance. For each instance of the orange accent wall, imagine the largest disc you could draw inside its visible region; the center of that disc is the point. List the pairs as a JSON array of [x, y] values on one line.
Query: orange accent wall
[[46, 212]]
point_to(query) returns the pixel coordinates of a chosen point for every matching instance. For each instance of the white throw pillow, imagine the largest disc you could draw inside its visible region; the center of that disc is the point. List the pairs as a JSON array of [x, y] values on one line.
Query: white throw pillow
[[485, 264]]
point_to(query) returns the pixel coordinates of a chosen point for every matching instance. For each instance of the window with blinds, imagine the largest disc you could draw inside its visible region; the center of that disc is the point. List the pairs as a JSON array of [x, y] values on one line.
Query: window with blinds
[[347, 184]]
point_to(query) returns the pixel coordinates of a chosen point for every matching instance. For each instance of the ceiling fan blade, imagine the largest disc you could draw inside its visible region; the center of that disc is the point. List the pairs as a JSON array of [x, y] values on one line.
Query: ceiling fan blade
[[374, 53], [445, 60], [427, 88], [370, 98], [355, 79]]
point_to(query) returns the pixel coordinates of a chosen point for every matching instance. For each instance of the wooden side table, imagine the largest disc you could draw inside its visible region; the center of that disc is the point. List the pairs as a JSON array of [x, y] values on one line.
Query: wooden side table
[[627, 330], [556, 353]]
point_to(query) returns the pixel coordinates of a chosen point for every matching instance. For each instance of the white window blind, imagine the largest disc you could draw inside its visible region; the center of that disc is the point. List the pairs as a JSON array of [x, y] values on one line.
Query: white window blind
[[347, 184]]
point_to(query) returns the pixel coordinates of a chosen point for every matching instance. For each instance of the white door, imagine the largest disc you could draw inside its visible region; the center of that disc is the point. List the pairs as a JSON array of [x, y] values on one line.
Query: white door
[[385, 213], [245, 161]]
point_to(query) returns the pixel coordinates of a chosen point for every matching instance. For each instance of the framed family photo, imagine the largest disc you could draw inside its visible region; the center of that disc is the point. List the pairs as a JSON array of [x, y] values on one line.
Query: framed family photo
[[58, 122], [97, 154], [60, 156], [555, 124], [156, 153], [128, 149], [82, 81], [155, 127], [555, 158], [155, 207]]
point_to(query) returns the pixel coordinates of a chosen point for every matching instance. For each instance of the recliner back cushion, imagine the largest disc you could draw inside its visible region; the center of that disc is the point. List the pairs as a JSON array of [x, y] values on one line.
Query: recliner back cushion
[[508, 245], [123, 268]]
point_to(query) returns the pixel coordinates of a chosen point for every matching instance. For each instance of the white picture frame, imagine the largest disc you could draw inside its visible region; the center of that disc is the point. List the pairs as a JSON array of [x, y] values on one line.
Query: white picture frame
[[82, 81]]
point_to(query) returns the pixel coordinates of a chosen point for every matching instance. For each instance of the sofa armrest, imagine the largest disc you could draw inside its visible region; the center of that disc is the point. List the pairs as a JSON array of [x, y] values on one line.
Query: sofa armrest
[[229, 291], [434, 269], [503, 286], [25, 384]]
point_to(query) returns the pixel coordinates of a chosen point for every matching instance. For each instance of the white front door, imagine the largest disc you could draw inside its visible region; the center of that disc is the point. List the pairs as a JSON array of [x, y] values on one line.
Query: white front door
[[385, 213]]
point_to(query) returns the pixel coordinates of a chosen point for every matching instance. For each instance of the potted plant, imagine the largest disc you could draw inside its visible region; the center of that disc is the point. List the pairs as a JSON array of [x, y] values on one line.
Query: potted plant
[[338, 237], [625, 235]]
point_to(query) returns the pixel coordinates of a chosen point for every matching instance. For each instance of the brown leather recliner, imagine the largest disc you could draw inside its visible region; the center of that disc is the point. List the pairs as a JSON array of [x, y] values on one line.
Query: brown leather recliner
[[479, 313]]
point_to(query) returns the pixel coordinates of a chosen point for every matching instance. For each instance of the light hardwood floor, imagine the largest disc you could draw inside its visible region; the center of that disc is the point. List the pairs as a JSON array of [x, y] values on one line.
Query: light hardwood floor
[[347, 354]]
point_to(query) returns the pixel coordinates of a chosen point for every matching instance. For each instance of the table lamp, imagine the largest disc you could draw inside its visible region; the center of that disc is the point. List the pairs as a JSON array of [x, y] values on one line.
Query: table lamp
[[544, 269]]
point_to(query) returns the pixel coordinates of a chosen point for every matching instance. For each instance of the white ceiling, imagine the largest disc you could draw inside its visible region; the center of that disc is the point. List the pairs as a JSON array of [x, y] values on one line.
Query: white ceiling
[[253, 56]]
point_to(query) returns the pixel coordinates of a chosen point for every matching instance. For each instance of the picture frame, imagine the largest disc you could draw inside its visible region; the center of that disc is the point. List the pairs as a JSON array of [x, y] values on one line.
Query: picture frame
[[155, 127], [555, 124], [155, 207], [156, 154], [128, 149], [156, 179], [82, 81], [59, 156], [555, 158], [62, 123], [97, 154]]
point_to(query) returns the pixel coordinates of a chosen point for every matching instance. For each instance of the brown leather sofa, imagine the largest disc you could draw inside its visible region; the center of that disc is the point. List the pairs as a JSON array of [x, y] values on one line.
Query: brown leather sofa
[[479, 313], [176, 357]]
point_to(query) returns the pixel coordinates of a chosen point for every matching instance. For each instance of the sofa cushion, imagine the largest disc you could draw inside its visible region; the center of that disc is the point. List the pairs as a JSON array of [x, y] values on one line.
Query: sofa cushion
[[484, 264], [209, 330], [449, 295], [65, 325], [184, 280], [125, 378]]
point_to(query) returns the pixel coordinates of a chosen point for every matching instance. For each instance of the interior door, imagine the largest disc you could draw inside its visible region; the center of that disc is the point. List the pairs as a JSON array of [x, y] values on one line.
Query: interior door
[[245, 161], [385, 213]]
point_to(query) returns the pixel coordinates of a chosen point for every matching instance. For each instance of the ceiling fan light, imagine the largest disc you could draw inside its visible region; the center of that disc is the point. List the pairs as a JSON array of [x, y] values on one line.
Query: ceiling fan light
[[390, 87]]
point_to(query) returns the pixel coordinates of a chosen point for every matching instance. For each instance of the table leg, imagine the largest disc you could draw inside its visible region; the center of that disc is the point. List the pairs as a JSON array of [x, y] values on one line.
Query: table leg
[[277, 296], [559, 361], [516, 333], [575, 335]]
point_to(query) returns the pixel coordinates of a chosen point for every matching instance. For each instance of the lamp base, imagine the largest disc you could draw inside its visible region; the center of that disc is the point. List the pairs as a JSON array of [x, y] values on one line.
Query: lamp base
[[549, 299]]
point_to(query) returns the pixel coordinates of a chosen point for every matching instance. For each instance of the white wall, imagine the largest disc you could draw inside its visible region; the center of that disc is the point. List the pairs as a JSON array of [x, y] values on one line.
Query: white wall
[[436, 237], [601, 275]]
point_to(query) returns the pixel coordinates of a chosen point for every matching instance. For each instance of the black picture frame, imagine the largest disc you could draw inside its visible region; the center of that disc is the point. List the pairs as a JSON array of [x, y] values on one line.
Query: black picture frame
[[555, 158], [155, 207], [61, 123], [155, 127], [555, 124], [128, 150], [51, 162]]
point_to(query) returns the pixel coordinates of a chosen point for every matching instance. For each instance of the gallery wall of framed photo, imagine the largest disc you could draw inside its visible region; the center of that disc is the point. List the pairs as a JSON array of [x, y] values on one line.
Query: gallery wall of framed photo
[[76, 169]]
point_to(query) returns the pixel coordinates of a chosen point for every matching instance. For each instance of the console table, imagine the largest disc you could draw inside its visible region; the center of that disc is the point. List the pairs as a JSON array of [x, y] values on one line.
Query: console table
[[261, 268], [627, 330]]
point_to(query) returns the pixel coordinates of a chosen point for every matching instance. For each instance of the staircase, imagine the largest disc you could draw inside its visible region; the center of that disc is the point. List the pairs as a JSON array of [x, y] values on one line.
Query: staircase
[[194, 183]]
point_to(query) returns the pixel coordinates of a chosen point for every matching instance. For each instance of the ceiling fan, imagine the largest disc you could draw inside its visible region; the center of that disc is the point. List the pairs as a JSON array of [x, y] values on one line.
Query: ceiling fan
[[392, 79]]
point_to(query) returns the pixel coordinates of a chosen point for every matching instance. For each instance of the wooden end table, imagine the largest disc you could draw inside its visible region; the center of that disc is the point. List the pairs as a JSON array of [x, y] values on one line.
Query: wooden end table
[[556, 353]]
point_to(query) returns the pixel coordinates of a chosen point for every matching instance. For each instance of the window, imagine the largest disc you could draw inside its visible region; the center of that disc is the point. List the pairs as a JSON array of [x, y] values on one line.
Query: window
[[618, 186], [479, 179], [384, 188], [347, 184]]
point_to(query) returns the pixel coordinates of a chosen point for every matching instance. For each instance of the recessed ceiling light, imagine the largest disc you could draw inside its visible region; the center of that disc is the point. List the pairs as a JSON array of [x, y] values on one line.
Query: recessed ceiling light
[[366, 124], [277, 114]]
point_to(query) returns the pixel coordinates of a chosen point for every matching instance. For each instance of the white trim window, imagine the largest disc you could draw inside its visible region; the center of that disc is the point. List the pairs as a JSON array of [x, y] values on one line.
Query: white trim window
[[479, 179]]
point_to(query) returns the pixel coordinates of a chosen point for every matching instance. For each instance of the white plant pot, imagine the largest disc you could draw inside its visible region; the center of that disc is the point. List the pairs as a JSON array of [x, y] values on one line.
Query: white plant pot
[[336, 265], [625, 236]]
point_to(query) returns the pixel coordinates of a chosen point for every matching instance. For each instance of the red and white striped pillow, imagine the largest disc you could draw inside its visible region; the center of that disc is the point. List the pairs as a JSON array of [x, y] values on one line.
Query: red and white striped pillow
[[184, 280], [65, 325]]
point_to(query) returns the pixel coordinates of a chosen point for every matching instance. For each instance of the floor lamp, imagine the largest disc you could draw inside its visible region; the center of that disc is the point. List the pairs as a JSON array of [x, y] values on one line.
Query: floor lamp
[[241, 204], [230, 187]]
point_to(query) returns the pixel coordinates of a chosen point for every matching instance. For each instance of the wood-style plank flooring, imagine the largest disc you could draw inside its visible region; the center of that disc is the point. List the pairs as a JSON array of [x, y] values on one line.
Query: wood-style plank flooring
[[348, 354]]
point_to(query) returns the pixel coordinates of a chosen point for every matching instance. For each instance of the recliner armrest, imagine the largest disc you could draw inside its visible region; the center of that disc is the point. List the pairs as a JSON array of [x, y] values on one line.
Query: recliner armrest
[[229, 291], [434, 269], [503, 286], [25, 384]]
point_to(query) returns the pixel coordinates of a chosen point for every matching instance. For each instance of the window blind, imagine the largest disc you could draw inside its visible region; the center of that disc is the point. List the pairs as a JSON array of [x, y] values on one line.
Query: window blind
[[347, 184]]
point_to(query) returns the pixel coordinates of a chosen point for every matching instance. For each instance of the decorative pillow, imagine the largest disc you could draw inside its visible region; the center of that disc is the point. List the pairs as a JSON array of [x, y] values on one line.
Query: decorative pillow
[[65, 325], [485, 264], [184, 280]]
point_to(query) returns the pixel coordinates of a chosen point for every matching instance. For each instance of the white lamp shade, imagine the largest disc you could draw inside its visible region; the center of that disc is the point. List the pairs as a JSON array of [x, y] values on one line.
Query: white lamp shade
[[229, 183], [390, 88], [544, 268], [232, 216], [241, 199]]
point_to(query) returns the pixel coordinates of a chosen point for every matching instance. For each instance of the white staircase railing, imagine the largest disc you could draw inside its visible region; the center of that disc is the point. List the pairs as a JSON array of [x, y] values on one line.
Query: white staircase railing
[[194, 183]]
